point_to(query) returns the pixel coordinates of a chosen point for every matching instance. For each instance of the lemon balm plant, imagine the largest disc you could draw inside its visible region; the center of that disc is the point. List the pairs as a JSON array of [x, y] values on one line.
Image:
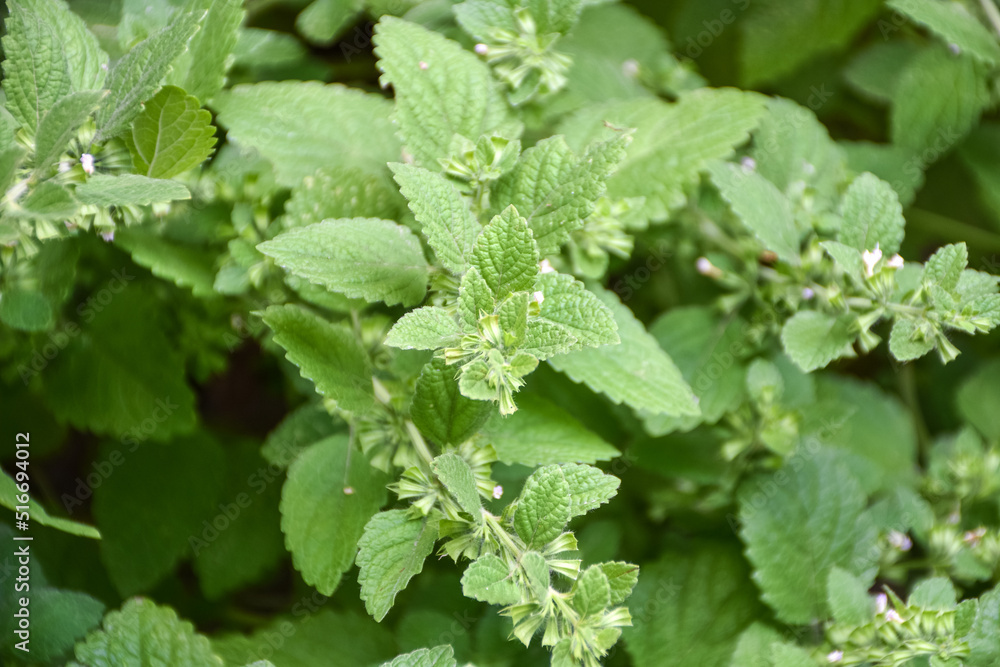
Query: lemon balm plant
[[382, 371]]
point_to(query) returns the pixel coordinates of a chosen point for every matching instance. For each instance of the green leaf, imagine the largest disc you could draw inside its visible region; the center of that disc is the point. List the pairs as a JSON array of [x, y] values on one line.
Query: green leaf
[[577, 311], [934, 593], [368, 258], [541, 433], [24, 310], [761, 207], [304, 126], [145, 633], [506, 255], [201, 70], [872, 216], [328, 498], [690, 607], [589, 488], [984, 637], [908, 341], [440, 411], [457, 477], [129, 190], [440, 89], [848, 599], [754, 646], [809, 523], [120, 374], [475, 299], [447, 220], [440, 656], [945, 267], [920, 121], [427, 328], [976, 399], [146, 510], [139, 72], [36, 74], [555, 190], [874, 71], [341, 192], [543, 509], [60, 125], [48, 201], [592, 591], [9, 498], [391, 552], [622, 578], [637, 372], [488, 579], [58, 619], [849, 259], [328, 354], [813, 339], [954, 24], [183, 264], [172, 134], [87, 63], [301, 428], [779, 37], [323, 20], [672, 144], [789, 655]]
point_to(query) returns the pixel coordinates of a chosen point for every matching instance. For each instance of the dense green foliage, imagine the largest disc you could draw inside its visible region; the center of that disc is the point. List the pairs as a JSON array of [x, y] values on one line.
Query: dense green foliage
[[367, 333]]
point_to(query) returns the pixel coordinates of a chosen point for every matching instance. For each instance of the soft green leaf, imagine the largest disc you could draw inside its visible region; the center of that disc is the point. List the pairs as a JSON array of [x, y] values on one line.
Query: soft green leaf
[[87, 63], [341, 192], [447, 220], [984, 637], [172, 134], [811, 521], [441, 656], [848, 258], [328, 498], [622, 578], [440, 89], [848, 599], [129, 189], [60, 125], [784, 654], [761, 207], [368, 258], [427, 328], [544, 507], [146, 634], [441, 412], [935, 593], [506, 255], [201, 70], [9, 498], [577, 311], [945, 267], [475, 299], [955, 24], [488, 579], [304, 126], [323, 20], [457, 477], [138, 73], [328, 354], [391, 552], [58, 619], [908, 340], [977, 397], [637, 372], [589, 488], [25, 310], [873, 216], [186, 265], [301, 428], [754, 646], [813, 339], [874, 71], [592, 591]]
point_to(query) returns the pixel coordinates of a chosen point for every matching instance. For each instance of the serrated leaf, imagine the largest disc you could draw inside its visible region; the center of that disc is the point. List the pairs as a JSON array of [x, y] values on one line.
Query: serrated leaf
[[391, 552], [555, 190], [541, 433], [589, 488], [592, 591], [183, 264], [440, 89], [637, 372], [328, 354], [145, 633], [848, 599], [945, 267], [201, 70], [984, 636], [506, 255], [811, 523], [341, 192], [813, 339], [440, 411], [457, 477], [146, 511], [8, 498], [907, 341], [849, 259], [129, 190], [934, 593], [872, 216], [920, 121], [488, 579], [761, 207], [326, 502], [577, 311], [690, 607], [440, 656], [536, 571], [304, 126], [60, 125], [427, 328], [754, 646], [954, 23], [138, 73], [87, 63], [439, 207], [543, 509], [475, 299], [368, 258], [622, 578], [172, 134], [36, 74]]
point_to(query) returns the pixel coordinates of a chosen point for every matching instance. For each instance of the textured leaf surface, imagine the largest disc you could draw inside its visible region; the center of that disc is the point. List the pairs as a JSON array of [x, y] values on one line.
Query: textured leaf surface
[[544, 507], [427, 328], [171, 135], [872, 215], [186, 265], [589, 488], [506, 255], [367, 258], [391, 552], [87, 63], [327, 500], [342, 192], [488, 579], [129, 189], [576, 311], [201, 70], [60, 125], [954, 23], [441, 656], [441, 412], [813, 339], [457, 477]]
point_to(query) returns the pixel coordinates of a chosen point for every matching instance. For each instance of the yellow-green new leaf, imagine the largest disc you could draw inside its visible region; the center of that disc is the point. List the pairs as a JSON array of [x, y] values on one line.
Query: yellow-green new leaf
[[172, 134]]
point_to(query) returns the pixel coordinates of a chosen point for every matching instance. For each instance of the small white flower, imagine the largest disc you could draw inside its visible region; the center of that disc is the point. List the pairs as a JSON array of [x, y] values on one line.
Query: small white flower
[[706, 268], [423, 65], [545, 267], [808, 293], [498, 492], [900, 540], [87, 160], [348, 490], [881, 602], [893, 616], [749, 163], [63, 167], [871, 258], [482, 49], [108, 236], [538, 297], [895, 262], [630, 68], [834, 656]]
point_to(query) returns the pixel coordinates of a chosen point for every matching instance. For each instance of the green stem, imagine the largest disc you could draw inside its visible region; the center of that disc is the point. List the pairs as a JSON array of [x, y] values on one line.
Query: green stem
[[418, 442]]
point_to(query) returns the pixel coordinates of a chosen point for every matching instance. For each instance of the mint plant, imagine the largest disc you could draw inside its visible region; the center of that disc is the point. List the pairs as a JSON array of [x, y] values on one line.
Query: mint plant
[[500, 332]]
